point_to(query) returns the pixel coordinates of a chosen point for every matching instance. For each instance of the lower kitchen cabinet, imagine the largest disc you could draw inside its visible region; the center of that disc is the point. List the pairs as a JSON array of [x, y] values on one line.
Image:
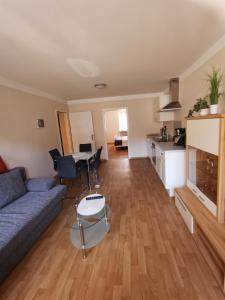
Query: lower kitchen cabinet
[[169, 162], [174, 171]]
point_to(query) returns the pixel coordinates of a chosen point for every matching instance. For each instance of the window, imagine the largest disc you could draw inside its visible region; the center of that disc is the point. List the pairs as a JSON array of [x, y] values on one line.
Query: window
[[123, 120]]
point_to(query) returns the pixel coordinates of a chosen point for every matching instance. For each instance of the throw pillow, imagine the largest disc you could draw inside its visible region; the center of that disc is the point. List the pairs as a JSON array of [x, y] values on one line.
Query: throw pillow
[[3, 167], [41, 184], [11, 187]]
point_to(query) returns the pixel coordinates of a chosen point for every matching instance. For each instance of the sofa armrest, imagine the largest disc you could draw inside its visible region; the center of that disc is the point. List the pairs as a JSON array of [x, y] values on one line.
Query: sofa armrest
[[41, 184]]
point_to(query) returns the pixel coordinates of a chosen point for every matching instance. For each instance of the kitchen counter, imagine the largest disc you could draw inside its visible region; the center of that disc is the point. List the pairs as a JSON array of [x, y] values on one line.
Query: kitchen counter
[[165, 146], [168, 146], [169, 162]]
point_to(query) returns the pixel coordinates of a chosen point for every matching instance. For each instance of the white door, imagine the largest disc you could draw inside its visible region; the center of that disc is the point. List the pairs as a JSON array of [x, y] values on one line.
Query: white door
[[82, 129]]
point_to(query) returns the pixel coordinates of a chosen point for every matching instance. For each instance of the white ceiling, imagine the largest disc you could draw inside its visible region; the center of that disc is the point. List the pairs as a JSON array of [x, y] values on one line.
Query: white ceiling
[[65, 47]]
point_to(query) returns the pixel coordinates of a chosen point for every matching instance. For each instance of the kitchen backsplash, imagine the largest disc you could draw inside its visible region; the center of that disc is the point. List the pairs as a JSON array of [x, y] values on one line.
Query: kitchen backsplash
[[171, 125]]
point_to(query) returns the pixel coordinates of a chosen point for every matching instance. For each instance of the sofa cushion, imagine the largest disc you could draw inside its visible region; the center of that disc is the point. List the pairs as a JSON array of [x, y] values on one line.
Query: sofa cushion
[[42, 184], [3, 167], [11, 187], [19, 218]]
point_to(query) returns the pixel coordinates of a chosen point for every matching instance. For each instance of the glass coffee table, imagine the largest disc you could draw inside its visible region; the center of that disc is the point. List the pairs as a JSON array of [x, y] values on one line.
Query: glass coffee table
[[89, 220]]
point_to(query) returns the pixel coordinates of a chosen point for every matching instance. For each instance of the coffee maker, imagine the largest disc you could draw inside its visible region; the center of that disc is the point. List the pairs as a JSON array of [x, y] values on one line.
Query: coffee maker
[[179, 137]]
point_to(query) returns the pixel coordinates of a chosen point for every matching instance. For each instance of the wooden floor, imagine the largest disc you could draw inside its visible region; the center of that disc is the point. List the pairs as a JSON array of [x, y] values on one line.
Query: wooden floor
[[148, 254], [117, 153]]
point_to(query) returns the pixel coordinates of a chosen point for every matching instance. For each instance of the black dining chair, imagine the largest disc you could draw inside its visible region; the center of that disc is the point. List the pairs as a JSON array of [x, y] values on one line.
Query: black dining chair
[[68, 170], [54, 154], [85, 147], [95, 164]]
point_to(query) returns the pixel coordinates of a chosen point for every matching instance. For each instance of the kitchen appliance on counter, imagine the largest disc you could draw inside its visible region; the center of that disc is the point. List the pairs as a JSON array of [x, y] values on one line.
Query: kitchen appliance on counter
[[163, 134], [180, 137]]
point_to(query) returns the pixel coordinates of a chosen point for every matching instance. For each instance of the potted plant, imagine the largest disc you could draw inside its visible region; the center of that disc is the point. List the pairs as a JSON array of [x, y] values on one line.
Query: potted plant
[[215, 81], [196, 107], [203, 106], [190, 113]]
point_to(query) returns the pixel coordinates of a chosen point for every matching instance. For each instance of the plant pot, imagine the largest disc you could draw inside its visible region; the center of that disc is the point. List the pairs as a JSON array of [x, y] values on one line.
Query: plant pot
[[214, 109], [204, 112]]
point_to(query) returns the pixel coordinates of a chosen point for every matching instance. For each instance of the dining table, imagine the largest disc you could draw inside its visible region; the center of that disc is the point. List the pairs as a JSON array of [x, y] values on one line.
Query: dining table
[[87, 157]]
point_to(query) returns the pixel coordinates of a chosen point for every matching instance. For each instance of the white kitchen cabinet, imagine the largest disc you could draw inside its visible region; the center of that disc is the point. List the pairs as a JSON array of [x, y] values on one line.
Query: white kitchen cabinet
[[149, 148], [160, 163], [175, 170], [169, 164]]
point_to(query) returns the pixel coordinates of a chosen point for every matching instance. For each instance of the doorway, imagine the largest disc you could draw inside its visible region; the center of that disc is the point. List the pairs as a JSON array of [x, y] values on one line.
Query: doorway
[[116, 132], [65, 132], [82, 129]]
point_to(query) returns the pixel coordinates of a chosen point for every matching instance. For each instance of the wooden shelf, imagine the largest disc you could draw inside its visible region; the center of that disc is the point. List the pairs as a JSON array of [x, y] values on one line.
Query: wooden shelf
[[210, 116], [213, 231]]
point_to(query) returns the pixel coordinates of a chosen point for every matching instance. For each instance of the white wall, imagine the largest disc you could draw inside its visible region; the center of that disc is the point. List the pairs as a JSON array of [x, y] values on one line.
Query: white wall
[[140, 122], [195, 85], [111, 125], [21, 143]]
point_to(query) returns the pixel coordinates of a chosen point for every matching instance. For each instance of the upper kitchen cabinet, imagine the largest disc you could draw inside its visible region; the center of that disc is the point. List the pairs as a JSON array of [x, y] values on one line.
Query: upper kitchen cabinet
[[159, 103]]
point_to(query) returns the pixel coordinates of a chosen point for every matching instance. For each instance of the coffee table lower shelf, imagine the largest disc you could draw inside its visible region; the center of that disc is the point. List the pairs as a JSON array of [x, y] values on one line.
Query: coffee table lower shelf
[[92, 235], [87, 232]]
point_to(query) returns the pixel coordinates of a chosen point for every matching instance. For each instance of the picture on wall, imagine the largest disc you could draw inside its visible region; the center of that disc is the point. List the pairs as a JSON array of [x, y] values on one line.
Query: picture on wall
[[40, 123]]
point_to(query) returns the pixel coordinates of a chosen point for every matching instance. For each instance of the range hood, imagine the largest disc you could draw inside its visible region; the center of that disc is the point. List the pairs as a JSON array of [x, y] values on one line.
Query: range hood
[[174, 94]]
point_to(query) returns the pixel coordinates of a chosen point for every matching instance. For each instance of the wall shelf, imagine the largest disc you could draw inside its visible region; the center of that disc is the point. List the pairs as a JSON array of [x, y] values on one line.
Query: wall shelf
[[212, 116]]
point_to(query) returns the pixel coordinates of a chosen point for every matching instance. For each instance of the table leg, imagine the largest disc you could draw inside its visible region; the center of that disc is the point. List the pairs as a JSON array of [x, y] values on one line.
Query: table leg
[[82, 240], [106, 215], [89, 180], [77, 217]]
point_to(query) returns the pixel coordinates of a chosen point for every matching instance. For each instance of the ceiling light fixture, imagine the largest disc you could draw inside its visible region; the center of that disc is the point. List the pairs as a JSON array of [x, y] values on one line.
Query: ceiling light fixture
[[100, 85]]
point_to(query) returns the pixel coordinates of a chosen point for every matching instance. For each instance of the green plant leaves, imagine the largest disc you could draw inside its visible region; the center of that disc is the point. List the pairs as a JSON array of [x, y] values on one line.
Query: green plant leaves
[[215, 81]]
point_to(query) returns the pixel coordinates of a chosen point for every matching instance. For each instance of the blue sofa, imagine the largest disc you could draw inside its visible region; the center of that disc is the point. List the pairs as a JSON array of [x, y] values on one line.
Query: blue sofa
[[27, 207]]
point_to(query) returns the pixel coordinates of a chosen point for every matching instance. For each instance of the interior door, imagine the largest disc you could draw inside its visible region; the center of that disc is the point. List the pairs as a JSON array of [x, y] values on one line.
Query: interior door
[[65, 132], [82, 129]]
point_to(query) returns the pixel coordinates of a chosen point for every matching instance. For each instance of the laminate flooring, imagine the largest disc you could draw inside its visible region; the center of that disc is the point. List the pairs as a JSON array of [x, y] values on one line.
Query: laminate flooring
[[117, 153], [148, 253]]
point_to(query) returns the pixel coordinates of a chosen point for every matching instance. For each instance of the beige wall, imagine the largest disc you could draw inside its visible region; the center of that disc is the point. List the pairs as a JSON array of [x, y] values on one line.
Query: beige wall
[[21, 143], [111, 124], [140, 122], [195, 86]]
